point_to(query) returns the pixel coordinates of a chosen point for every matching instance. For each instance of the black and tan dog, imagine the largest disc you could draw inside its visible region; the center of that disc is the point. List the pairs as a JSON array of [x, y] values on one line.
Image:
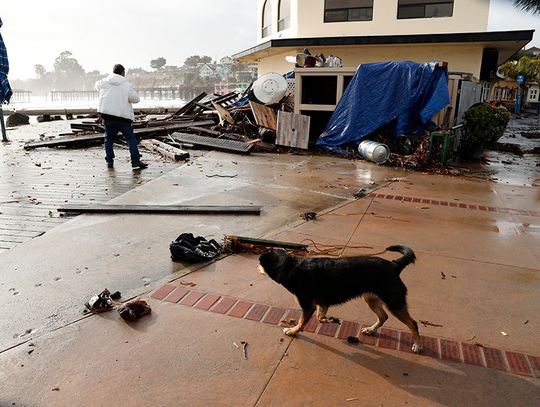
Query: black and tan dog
[[319, 283]]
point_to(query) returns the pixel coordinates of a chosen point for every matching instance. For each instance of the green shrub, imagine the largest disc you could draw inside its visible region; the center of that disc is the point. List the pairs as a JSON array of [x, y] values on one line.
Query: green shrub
[[483, 125]]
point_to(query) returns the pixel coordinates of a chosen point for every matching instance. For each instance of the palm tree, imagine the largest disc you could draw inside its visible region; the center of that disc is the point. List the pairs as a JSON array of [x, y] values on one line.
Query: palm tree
[[532, 6]]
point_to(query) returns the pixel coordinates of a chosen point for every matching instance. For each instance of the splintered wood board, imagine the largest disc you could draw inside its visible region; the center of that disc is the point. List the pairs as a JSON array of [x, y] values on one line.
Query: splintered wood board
[[224, 115], [264, 116], [292, 130]]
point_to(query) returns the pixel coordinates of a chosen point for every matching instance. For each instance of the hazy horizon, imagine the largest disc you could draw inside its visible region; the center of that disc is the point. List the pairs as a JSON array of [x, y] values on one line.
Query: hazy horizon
[[106, 33]]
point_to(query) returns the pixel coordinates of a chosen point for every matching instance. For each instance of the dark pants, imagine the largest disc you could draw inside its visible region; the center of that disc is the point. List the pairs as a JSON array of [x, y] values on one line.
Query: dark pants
[[112, 128]]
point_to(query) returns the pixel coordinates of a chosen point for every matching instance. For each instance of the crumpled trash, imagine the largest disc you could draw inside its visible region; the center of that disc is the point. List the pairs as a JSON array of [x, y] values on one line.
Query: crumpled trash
[[192, 249], [134, 310], [100, 302]]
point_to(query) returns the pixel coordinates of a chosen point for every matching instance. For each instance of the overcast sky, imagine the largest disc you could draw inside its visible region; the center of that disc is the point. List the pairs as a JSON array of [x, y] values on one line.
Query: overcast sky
[[101, 33]]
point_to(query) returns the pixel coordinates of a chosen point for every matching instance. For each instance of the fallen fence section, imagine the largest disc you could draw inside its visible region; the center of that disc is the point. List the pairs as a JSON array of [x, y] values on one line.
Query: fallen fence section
[[161, 209], [232, 146]]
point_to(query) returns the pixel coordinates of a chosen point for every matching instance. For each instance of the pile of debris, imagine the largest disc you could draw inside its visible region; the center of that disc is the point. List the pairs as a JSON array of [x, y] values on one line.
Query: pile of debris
[[236, 123]]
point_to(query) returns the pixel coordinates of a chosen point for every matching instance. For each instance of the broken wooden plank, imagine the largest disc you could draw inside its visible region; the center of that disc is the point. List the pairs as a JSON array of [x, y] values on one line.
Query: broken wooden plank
[[142, 132], [204, 130], [166, 150], [88, 127], [264, 116], [224, 115], [292, 130], [162, 209], [231, 146], [190, 105]]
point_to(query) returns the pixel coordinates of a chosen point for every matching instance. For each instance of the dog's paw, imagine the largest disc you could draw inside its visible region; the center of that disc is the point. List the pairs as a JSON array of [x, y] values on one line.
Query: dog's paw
[[417, 348], [368, 331], [289, 332]]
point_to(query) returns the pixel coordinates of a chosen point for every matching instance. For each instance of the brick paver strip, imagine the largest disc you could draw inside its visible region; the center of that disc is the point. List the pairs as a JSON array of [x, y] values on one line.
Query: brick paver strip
[[274, 316], [494, 358], [224, 305], [177, 294], [406, 341], [207, 302], [311, 326], [471, 354], [163, 292], [450, 350], [518, 363], [347, 329], [240, 309], [388, 338], [535, 364], [192, 298], [292, 315], [257, 312], [431, 346], [329, 329], [447, 349], [472, 207], [367, 339]]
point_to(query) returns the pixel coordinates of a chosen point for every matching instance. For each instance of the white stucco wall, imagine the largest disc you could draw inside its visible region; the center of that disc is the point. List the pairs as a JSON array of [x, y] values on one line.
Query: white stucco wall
[[307, 20]]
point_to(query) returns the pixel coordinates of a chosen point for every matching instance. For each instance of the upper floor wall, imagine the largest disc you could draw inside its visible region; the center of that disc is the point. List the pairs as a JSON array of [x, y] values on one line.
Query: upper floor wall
[[333, 18]]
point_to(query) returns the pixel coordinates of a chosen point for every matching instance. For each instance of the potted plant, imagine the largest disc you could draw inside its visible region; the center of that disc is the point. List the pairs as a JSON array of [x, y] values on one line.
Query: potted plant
[[483, 125]]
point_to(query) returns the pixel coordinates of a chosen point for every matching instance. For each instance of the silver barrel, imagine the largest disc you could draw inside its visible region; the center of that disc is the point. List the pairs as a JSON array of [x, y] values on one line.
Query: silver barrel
[[373, 151]]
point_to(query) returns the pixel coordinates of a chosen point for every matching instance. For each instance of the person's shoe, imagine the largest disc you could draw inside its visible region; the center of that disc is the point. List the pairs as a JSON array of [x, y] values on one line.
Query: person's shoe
[[139, 166], [110, 165]]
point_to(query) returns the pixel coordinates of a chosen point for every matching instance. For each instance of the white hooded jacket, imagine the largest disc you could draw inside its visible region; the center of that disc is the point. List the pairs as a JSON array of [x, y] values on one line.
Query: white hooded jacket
[[116, 96]]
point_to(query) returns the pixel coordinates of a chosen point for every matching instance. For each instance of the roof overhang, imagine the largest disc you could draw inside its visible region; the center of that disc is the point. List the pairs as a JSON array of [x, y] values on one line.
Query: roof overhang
[[506, 42]]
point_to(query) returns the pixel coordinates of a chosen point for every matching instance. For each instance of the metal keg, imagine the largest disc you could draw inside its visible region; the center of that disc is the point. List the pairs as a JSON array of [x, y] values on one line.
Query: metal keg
[[373, 151]]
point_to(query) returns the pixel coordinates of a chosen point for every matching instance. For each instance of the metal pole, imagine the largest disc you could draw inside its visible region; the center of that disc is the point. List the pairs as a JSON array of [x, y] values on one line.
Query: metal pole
[[4, 135]]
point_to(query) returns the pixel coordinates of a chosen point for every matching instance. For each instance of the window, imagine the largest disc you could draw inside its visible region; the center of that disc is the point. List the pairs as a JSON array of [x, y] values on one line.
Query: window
[[267, 19], [425, 8], [348, 10], [284, 15]]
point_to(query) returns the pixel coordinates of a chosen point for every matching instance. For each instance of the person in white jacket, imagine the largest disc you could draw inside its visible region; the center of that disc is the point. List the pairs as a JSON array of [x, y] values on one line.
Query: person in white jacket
[[114, 107]]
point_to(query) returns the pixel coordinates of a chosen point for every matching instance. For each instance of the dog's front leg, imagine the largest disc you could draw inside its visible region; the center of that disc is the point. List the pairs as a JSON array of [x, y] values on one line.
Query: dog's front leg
[[304, 319]]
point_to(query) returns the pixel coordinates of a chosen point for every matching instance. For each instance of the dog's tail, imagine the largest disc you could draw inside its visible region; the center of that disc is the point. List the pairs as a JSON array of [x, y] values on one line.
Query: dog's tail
[[408, 257]]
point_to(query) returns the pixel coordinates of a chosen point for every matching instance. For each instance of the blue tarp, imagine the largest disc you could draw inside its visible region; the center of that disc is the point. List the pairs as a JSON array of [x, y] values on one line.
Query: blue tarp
[[5, 89], [403, 96]]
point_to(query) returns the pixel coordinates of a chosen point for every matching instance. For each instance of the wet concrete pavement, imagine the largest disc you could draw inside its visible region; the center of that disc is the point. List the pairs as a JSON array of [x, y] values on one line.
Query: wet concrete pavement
[[476, 276]]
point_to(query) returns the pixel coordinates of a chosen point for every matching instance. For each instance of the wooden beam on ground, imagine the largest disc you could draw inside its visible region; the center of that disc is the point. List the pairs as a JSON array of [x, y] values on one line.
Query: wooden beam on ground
[[142, 132], [166, 150], [161, 209], [264, 116], [268, 243]]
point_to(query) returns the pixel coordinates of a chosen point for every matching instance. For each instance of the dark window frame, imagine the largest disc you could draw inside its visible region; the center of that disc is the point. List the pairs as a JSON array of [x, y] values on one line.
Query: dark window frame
[[424, 5], [348, 11]]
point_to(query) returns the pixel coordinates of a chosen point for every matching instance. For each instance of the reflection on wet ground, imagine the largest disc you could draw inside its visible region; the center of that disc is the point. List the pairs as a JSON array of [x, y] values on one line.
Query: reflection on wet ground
[[508, 168]]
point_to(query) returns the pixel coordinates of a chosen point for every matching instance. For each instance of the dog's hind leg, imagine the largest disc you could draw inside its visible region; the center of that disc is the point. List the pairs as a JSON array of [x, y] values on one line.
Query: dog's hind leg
[[376, 306], [403, 316], [323, 319], [307, 312]]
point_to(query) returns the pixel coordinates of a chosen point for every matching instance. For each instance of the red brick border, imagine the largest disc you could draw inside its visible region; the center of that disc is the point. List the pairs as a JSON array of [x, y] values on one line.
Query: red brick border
[[439, 348], [458, 205]]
